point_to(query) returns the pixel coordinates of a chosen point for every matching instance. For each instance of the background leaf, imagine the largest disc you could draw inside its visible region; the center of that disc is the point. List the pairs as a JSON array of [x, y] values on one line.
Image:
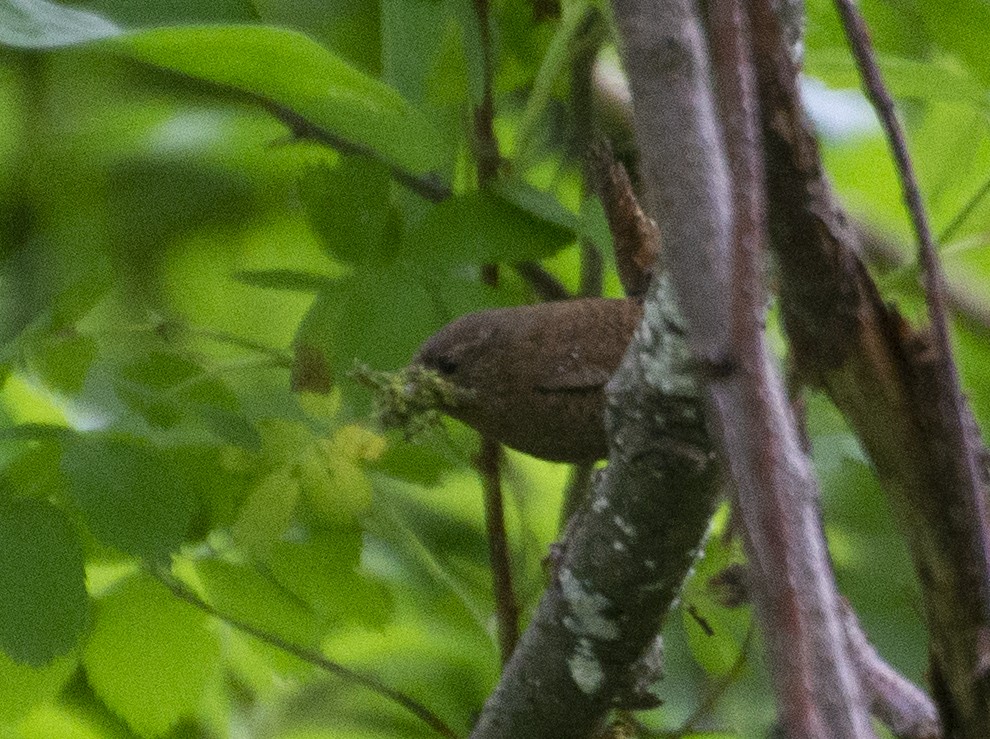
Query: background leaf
[[147, 643], [134, 496], [479, 228], [44, 608], [287, 68]]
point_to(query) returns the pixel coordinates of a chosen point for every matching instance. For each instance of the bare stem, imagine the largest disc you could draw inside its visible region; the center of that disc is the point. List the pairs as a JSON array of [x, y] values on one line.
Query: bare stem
[[950, 411], [184, 593], [490, 457], [506, 609], [902, 706]]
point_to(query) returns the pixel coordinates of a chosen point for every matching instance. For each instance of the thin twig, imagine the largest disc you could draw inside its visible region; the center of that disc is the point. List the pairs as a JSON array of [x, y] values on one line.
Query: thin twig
[[715, 694], [888, 256], [956, 223], [902, 706], [490, 456], [586, 46], [544, 284], [486, 145], [506, 609], [951, 406], [183, 593], [427, 186]]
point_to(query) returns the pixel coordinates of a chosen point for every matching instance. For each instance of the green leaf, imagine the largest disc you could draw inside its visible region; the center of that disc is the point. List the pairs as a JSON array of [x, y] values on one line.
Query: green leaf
[[163, 388], [61, 362], [717, 635], [554, 64], [23, 687], [135, 497], [538, 203], [227, 425], [143, 13], [332, 475], [959, 26], [905, 78], [147, 386], [480, 228], [348, 207], [291, 70], [409, 42], [44, 608], [284, 279], [150, 656], [267, 512], [35, 431], [34, 471], [378, 317], [473, 49], [244, 594], [350, 28], [321, 572], [419, 464], [38, 24]]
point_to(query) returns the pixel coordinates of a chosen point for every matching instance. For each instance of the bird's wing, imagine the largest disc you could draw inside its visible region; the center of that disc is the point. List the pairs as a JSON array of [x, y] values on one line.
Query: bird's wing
[[575, 379]]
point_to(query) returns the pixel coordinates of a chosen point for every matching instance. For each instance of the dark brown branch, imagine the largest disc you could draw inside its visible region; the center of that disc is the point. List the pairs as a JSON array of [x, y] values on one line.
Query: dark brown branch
[[183, 593], [951, 412], [506, 610], [817, 689], [886, 379], [900, 704], [544, 284], [490, 456], [951, 408], [636, 239]]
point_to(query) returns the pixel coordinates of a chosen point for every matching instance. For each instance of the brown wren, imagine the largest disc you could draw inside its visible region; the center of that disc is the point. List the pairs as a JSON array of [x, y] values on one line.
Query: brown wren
[[535, 375]]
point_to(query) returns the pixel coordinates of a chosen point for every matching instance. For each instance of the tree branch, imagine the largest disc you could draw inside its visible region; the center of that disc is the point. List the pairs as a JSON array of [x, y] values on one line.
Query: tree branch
[[902, 706], [183, 593], [636, 239], [427, 186], [620, 570], [886, 379], [506, 609], [962, 444]]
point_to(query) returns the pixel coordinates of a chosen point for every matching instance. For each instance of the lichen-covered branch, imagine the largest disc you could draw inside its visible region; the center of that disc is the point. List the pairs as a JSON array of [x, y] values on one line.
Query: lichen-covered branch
[[622, 568]]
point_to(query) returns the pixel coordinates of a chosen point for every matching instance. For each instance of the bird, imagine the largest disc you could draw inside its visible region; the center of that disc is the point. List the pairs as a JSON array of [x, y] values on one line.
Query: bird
[[533, 377]]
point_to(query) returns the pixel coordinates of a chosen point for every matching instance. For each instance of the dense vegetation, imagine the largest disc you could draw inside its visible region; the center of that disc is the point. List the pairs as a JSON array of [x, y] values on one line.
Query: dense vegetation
[[211, 211]]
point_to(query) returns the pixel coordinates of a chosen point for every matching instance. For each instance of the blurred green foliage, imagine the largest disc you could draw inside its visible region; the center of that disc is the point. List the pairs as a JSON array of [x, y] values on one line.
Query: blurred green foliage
[[174, 262]]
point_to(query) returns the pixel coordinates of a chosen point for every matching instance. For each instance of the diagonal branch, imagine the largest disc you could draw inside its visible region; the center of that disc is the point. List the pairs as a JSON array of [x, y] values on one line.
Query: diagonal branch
[[902, 706], [889, 382], [951, 407], [181, 591]]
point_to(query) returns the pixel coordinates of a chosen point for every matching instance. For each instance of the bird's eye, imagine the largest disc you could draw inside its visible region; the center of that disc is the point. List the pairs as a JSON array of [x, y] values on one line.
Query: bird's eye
[[446, 365]]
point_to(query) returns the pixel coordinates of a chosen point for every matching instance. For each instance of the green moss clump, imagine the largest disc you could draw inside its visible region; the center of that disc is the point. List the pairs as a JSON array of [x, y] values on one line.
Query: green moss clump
[[412, 398]]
